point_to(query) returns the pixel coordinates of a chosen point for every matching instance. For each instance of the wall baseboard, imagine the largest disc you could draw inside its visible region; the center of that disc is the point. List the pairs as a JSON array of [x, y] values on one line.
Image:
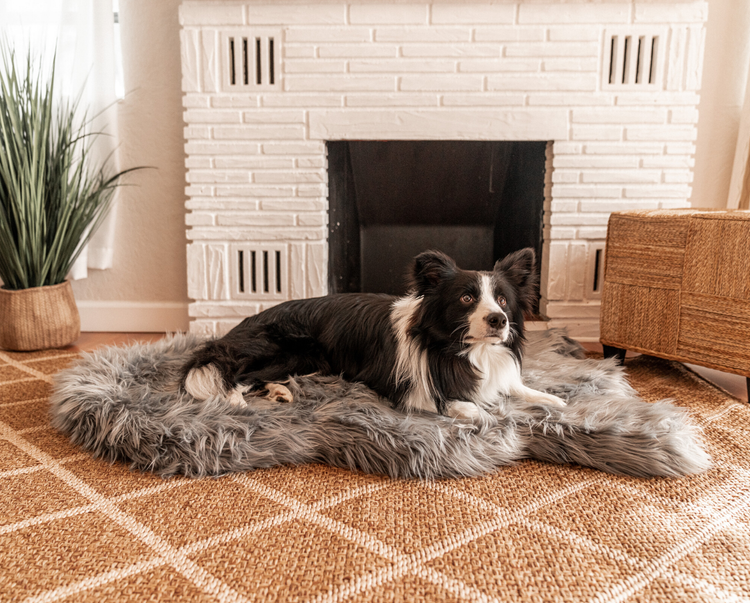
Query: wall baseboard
[[133, 317]]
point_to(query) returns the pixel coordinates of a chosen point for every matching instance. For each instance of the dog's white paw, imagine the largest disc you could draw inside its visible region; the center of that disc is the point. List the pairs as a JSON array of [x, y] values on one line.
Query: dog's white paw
[[279, 393], [545, 398], [236, 397], [204, 382], [533, 396], [465, 410]]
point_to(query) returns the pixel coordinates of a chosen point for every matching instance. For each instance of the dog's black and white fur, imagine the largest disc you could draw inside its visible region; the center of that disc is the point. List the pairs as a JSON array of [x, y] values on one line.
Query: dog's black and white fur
[[453, 345]]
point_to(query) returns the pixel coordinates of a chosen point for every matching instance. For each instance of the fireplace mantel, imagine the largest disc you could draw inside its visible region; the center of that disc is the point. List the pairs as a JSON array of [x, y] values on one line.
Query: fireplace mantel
[[613, 87]]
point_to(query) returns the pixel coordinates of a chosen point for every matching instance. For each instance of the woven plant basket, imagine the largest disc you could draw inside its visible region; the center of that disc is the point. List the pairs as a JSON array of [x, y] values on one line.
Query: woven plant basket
[[38, 318]]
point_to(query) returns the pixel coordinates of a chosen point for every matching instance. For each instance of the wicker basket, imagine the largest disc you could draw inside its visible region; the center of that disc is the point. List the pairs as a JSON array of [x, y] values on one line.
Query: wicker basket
[[677, 286], [38, 318]]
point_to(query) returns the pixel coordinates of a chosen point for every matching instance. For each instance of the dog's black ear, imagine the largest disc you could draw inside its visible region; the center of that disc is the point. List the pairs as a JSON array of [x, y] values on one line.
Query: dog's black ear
[[519, 268], [429, 268]]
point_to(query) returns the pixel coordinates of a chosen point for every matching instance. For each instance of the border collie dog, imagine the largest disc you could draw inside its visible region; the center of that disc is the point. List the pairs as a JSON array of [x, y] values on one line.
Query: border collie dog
[[452, 345]]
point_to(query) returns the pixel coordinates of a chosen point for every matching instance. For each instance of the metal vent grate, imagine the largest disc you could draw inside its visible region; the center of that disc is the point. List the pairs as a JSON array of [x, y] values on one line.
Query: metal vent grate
[[595, 269], [250, 60], [259, 271], [633, 60]]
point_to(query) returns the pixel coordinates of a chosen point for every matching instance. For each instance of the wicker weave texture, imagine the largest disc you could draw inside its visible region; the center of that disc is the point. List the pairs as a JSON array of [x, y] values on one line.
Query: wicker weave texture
[[677, 285], [38, 318], [717, 260], [75, 529]]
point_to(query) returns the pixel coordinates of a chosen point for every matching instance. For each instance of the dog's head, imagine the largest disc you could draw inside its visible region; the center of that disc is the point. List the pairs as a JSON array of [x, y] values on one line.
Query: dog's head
[[466, 307]]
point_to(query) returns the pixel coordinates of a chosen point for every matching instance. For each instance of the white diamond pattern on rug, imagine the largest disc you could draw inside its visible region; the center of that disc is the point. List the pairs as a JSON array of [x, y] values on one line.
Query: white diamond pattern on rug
[[316, 533]]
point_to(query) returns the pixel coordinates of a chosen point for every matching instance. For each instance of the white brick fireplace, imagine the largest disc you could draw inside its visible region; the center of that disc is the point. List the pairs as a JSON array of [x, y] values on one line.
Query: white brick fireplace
[[611, 86]]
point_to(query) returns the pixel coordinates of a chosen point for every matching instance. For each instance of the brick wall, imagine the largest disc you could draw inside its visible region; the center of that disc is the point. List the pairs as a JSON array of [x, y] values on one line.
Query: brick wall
[[465, 71]]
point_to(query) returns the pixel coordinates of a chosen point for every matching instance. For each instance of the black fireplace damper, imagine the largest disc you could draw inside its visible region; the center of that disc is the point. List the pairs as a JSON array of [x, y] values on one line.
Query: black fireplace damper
[[390, 200]]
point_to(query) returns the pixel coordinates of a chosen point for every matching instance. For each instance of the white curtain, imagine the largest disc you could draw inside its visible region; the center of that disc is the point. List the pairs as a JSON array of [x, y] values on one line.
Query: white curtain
[[88, 59]]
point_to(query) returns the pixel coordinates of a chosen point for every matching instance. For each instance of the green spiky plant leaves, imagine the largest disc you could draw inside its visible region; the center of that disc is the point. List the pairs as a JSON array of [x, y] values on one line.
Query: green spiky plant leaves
[[52, 195]]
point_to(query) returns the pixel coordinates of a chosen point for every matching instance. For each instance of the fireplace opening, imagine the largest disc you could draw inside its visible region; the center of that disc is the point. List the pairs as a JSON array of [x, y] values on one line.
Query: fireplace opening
[[390, 200]]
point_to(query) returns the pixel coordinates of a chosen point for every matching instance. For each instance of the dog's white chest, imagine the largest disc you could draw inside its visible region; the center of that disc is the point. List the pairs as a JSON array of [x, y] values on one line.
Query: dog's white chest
[[500, 373]]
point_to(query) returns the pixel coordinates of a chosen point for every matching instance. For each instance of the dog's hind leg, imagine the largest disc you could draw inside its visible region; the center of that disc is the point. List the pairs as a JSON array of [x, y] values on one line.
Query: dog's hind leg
[[205, 382], [248, 358], [226, 367], [209, 370]]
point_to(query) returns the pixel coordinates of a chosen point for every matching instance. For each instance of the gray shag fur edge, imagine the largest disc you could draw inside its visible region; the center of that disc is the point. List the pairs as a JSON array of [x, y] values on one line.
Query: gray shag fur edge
[[125, 404]]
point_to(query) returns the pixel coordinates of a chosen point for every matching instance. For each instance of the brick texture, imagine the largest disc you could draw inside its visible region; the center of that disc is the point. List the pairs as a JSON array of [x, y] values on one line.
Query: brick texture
[[530, 71]]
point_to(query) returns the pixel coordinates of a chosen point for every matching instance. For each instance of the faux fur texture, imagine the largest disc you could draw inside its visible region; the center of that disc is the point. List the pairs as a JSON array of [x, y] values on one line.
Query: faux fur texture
[[125, 404]]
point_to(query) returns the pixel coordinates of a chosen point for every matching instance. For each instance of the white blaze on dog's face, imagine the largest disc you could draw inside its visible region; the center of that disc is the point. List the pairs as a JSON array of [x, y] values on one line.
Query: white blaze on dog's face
[[459, 307], [488, 321]]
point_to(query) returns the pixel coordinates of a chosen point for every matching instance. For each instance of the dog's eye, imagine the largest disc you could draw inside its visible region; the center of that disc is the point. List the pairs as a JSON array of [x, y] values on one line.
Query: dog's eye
[[466, 298], [501, 300]]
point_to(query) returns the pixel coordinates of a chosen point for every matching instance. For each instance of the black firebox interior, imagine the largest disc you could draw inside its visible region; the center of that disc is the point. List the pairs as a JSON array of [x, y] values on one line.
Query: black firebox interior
[[390, 200]]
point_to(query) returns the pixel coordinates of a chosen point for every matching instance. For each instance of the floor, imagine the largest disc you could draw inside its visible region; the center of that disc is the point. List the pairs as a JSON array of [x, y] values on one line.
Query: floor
[[734, 384], [88, 342]]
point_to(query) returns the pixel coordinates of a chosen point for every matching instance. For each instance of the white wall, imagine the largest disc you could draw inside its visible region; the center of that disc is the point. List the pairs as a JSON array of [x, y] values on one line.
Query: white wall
[[724, 80], [146, 290]]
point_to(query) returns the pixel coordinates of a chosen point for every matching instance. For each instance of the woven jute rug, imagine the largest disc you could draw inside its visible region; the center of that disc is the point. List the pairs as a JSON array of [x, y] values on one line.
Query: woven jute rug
[[76, 529]]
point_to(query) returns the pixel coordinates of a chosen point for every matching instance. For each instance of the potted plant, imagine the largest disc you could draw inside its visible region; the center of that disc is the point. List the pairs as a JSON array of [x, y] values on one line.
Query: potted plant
[[52, 198]]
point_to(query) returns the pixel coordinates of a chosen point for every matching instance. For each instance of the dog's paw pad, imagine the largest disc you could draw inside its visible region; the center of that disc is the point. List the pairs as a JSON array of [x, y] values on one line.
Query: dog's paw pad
[[279, 393]]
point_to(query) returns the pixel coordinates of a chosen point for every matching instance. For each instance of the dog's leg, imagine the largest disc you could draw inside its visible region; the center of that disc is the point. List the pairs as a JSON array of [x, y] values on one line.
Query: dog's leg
[[239, 362], [208, 370], [236, 396], [279, 393], [465, 410], [205, 382], [249, 357], [534, 396]]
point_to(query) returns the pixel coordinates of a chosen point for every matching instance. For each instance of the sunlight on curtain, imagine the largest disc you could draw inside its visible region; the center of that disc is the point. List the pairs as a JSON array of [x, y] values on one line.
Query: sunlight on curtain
[[88, 58]]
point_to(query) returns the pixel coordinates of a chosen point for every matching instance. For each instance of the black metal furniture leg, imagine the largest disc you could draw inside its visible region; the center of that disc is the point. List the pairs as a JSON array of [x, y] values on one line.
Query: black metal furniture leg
[[619, 353]]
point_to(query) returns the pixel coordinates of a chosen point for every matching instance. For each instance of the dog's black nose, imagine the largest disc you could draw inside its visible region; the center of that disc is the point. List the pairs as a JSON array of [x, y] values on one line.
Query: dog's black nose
[[498, 320]]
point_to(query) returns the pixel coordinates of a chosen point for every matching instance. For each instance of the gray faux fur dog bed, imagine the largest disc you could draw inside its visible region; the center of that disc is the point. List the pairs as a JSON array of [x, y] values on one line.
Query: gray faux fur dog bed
[[125, 404]]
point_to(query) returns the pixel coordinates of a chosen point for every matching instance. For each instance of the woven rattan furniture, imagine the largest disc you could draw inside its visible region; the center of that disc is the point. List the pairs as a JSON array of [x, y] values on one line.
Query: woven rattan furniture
[[677, 286]]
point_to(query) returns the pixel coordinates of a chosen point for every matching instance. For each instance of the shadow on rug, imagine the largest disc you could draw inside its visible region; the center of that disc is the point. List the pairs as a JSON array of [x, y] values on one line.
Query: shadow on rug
[[125, 404]]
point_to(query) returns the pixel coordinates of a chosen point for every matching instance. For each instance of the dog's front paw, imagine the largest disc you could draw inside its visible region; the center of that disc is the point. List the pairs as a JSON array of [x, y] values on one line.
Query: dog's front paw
[[551, 399], [465, 410], [533, 396], [279, 393]]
